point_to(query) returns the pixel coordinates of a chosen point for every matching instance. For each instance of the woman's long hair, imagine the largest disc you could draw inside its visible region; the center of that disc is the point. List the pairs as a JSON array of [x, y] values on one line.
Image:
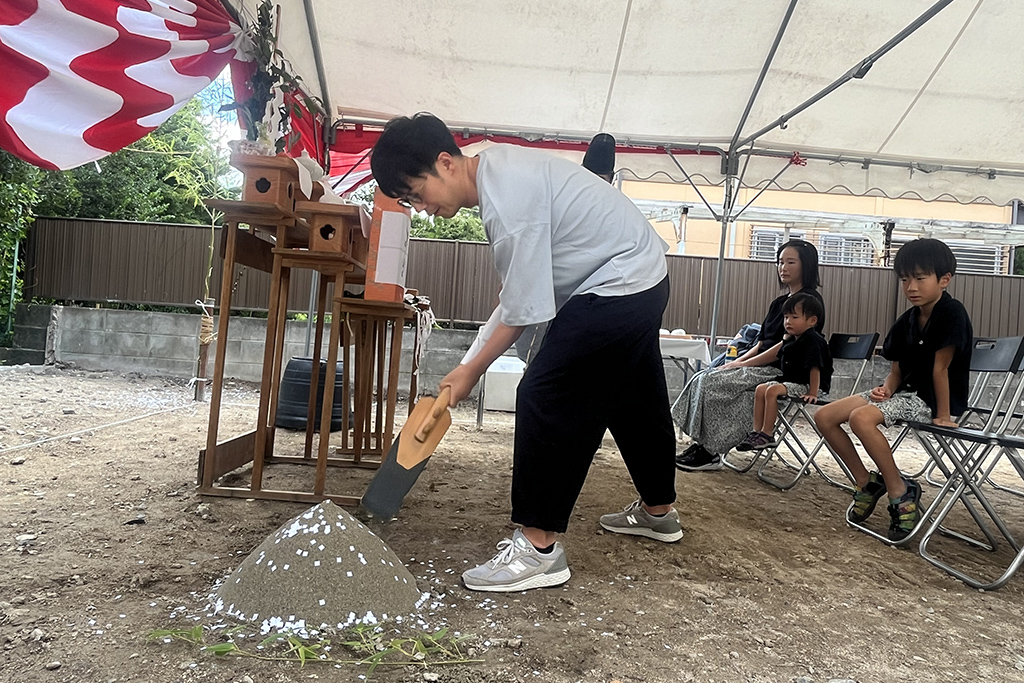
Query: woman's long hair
[[808, 256]]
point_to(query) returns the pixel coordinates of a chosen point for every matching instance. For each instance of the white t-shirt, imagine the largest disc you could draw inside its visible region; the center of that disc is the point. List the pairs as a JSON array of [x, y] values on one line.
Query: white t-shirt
[[557, 230]]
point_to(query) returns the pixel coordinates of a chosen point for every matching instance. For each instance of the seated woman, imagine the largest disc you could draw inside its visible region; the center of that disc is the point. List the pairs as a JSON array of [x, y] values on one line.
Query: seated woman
[[715, 406]]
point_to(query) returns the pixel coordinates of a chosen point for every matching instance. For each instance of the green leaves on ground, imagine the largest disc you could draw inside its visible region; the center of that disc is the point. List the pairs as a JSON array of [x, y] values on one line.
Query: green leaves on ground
[[369, 646]]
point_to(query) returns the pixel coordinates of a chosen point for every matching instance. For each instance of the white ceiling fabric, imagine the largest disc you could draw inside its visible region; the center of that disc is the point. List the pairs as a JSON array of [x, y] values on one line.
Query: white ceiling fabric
[[950, 95]]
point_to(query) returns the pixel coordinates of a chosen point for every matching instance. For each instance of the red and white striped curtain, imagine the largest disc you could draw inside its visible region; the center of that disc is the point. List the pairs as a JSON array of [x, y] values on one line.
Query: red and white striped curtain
[[84, 78]]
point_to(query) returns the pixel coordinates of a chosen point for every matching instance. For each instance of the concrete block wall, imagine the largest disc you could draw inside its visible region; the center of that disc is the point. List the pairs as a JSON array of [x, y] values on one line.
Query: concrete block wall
[[127, 341], [167, 344], [31, 324]]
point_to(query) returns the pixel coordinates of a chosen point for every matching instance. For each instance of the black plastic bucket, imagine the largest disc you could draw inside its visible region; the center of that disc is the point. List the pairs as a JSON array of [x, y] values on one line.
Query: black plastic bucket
[[293, 401]]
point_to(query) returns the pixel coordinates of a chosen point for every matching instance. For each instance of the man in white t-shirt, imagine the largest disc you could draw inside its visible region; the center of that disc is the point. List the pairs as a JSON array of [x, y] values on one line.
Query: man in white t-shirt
[[573, 250]]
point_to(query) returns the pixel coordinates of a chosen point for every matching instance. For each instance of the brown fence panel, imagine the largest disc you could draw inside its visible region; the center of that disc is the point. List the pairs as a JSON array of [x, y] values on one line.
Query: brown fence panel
[[994, 303], [432, 271], [164, 264], [93, 260], [477, 284], [684, 303], [748, 288], [858, 299]]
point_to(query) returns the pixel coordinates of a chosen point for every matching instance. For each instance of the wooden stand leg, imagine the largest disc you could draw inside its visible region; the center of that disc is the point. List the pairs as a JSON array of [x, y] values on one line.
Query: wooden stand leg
[[392, 394], [346, 386], [414, 387], [260, 448], [275, 377], [314, 379], [381, 389], [325, 414], [213, 427]]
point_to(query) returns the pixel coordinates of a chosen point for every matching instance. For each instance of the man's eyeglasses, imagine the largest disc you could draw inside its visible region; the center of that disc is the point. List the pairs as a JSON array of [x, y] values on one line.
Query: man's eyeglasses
[[408, 200]]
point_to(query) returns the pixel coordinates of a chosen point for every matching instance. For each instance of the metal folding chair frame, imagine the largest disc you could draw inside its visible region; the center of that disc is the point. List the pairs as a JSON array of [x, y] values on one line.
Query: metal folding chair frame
[[795, 408], [966, 460]]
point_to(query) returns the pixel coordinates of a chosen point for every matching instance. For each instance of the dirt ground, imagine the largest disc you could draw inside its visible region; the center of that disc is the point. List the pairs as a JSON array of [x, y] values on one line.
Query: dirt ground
[[764, 586]]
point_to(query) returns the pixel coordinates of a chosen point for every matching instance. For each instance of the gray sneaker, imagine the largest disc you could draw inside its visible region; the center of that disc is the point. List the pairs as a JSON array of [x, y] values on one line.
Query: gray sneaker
[[636, 521], [518, 566]]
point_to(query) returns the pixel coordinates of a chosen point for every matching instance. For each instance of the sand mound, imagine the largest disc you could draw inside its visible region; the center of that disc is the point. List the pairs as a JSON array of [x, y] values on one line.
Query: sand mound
[[322, 568]]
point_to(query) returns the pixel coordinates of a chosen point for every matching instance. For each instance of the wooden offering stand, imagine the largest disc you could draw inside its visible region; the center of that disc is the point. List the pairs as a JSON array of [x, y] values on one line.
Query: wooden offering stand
[[326, 238]]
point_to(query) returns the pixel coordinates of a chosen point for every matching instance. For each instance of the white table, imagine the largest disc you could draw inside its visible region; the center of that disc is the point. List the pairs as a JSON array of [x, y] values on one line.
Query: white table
[[688, 354]]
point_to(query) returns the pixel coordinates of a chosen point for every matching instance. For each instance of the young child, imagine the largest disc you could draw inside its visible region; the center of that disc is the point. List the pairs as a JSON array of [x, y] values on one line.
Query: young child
[[930, 350], [806, 368]]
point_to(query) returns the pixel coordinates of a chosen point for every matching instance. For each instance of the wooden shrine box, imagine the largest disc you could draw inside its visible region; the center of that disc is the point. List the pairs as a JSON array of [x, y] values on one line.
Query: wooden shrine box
[[382, 272], [332, 227], [273, 180]]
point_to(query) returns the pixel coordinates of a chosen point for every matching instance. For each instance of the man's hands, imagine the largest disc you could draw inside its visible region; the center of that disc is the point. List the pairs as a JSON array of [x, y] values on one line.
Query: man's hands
[[461, 380], [879, 394], [807, 398], [944, 422]]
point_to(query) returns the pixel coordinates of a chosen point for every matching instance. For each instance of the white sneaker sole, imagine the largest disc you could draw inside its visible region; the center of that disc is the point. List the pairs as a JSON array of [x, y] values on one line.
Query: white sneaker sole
[[644, 531], [538, 581], [708, 467]]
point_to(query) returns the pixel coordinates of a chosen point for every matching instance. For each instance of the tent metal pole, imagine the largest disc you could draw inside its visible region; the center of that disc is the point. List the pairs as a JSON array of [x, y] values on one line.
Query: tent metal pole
[[328, 130], [858, 71], [922, 166], [14, 281], [764, 72], [321, 74], [689, 180], [727, 203], [761, 191]]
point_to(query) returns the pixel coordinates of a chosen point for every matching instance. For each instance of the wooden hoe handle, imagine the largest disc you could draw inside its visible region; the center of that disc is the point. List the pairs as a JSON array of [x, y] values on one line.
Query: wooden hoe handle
[[440, 406]]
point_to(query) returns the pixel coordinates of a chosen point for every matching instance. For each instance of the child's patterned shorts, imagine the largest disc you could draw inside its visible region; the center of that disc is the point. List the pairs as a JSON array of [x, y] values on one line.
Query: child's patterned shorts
[[905, 406], [795, 390]]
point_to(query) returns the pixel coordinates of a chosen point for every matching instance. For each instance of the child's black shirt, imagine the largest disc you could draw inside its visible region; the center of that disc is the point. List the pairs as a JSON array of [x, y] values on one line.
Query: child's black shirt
[[772, 330], [800, 354], [914, 349]]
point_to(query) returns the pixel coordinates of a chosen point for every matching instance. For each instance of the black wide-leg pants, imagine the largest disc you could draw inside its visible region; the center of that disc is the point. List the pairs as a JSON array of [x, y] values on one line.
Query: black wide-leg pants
[[599, 367]]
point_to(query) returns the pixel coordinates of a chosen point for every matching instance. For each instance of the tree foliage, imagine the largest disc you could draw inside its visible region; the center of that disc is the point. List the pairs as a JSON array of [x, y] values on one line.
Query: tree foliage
[[161, 178], [465, 225], [18, 197]]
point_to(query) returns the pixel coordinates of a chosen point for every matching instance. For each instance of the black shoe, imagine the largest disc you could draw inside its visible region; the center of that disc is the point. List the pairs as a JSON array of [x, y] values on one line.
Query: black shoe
[[696, 458], [865, 499], [905, 514]]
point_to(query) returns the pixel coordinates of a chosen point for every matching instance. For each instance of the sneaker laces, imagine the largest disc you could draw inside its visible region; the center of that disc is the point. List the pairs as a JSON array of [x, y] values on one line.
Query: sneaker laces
[[635, 505], [506, 549]]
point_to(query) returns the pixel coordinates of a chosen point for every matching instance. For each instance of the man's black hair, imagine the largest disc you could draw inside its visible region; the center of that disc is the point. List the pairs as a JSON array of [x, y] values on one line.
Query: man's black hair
[[408, 148], [809, 278], [600, 156], [924, 256], [809, 305]]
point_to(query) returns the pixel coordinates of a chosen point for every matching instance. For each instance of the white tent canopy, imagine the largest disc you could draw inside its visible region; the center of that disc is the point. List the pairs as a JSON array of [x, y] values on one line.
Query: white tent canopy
[[940, 116]]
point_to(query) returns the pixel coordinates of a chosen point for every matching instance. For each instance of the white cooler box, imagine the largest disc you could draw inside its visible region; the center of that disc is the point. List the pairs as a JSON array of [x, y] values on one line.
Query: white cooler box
[[501, 382]]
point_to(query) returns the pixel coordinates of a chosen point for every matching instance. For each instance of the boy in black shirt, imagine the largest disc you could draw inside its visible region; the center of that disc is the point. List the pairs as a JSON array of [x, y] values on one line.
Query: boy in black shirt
[[806, 368], [930, 350]]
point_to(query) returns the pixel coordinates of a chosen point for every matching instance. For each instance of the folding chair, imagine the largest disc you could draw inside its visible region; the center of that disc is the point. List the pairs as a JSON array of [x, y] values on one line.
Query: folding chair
[[975, 416], [967, 449], [844, 347], [974, 454]]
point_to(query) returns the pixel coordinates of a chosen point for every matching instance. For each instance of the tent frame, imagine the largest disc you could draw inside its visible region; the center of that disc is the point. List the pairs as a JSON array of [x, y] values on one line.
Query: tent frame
[[737, 148]]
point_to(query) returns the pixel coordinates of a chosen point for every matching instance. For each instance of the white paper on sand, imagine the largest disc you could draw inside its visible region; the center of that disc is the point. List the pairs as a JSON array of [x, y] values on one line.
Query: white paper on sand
[[393, 251]]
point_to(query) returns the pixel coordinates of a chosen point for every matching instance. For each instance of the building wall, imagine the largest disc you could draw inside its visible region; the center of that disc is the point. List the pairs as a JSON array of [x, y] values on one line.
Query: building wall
[[701, 237]]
